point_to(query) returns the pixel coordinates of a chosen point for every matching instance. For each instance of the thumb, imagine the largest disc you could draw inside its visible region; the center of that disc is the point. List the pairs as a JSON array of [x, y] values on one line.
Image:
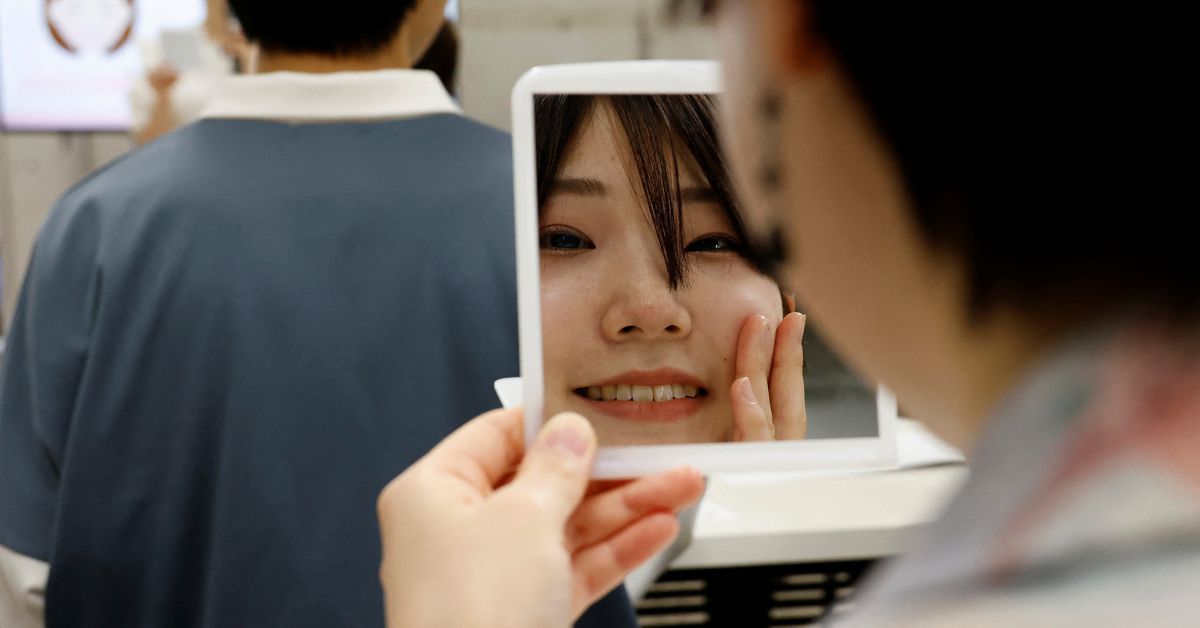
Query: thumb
[[555, 470]]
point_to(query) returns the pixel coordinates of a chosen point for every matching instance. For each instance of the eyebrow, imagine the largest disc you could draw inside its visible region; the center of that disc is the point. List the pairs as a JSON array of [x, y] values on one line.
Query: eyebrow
[[595, 187], [579, 187]]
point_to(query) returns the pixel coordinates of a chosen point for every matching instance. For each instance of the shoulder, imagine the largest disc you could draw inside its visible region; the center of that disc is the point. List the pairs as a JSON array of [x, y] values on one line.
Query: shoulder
[[80, 203], [460, 132], [488, 134], [126, 185], [470, 126], [448, 150]]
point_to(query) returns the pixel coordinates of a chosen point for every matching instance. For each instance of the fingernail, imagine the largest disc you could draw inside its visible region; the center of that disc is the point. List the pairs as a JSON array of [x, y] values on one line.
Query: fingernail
[[567, 433], [747, 391]]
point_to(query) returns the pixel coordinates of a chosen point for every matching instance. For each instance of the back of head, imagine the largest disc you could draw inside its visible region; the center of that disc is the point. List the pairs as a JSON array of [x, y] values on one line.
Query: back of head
[[1032, 142], [344, 28]]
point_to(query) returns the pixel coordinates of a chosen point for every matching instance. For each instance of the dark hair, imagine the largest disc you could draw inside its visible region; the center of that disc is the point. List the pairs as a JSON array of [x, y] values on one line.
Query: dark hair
[[347, 27], [442, 56], [1028, 141], [1013, 143], [659, 128]]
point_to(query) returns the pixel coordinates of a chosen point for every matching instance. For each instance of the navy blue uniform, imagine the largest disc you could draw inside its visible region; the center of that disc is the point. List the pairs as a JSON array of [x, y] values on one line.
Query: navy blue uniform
[[228, 342]]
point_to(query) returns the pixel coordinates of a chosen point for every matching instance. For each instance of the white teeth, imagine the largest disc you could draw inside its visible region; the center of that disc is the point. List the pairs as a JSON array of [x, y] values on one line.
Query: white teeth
[[643, 394]]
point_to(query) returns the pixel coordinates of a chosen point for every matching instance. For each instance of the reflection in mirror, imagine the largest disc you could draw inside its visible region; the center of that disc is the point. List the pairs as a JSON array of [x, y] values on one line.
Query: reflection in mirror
[[657, 324]]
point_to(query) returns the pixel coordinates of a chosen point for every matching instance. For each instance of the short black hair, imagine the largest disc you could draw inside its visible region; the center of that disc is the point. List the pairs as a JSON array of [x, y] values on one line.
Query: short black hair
[[1032, 141], [347, 27], [659, 128], [442, 56]]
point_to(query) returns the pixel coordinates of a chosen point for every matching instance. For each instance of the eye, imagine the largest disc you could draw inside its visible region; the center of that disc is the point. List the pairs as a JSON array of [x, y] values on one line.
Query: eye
[[716, 243], [563, 239]]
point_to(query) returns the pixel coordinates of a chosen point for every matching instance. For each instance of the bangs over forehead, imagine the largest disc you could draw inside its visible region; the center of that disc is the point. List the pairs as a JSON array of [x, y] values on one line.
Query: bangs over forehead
[[661, 130]]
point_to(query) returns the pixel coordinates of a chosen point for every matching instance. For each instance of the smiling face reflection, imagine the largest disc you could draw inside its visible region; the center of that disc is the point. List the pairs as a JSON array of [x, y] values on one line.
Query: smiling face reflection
[[642, 304]]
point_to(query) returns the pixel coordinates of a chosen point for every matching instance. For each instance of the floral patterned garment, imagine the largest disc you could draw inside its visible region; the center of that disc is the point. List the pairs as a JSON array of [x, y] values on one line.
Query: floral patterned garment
[[1083, 506]]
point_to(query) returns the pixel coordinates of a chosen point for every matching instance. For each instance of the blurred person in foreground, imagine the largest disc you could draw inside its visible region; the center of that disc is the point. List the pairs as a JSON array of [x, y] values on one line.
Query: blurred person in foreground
[[230, 340], [974, 204]]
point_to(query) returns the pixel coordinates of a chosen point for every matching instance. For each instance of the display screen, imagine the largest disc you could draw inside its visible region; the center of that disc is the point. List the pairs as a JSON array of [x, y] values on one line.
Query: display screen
[[68, 64]]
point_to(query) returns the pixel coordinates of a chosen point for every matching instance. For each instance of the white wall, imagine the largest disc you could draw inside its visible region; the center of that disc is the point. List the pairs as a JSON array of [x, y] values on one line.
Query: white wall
[[503, 38]]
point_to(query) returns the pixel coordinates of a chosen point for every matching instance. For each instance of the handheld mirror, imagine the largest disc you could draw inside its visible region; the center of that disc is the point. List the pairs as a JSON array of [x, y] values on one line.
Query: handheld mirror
[[641, 306]]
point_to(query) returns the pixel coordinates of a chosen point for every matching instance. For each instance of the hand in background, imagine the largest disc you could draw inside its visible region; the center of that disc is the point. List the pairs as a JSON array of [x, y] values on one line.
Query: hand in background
[[468, 543], [162, 79], [161, 118]]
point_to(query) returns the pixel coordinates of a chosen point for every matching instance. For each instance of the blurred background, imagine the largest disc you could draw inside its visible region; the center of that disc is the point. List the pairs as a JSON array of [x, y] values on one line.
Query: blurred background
[[497, 41]]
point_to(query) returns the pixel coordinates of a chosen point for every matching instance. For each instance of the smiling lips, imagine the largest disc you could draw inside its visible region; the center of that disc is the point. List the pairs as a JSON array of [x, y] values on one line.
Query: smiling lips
[[660, 395]]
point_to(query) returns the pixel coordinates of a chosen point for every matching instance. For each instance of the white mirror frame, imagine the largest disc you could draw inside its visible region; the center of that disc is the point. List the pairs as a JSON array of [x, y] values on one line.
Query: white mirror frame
[[650, 77]]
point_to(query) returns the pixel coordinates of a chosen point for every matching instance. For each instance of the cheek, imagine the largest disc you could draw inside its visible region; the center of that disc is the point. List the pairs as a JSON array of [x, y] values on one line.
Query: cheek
[[723, 307], [568, 316]]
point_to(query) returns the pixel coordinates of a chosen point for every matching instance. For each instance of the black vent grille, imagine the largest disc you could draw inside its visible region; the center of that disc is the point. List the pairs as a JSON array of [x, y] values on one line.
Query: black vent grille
[[767, 596]]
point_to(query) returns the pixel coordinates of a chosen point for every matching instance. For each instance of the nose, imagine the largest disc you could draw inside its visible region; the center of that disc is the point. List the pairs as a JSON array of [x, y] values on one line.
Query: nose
[[646, 309]]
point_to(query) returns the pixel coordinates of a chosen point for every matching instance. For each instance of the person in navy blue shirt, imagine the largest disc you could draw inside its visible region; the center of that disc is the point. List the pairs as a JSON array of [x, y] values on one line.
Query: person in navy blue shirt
[[230, 340]]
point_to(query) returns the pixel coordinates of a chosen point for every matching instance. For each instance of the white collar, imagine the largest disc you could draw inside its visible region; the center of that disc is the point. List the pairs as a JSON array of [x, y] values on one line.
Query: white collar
[[338, 96]]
